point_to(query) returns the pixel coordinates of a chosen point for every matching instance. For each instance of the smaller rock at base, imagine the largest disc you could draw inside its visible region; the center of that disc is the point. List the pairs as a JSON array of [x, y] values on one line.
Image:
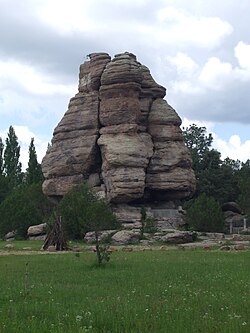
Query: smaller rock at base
[[124, 237], [225, 248], [10, 246], [51, 248], [10, 236]]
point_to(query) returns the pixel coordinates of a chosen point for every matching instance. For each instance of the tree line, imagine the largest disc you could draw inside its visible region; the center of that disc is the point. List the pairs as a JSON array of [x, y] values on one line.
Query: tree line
[[218, 181], [22, 202]]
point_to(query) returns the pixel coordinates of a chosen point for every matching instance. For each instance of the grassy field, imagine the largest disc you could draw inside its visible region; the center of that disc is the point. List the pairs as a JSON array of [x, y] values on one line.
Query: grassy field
[[137, 292]]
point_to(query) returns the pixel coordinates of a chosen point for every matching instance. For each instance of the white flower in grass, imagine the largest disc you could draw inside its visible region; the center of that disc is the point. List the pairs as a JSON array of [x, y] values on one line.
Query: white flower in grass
[[78, 318]]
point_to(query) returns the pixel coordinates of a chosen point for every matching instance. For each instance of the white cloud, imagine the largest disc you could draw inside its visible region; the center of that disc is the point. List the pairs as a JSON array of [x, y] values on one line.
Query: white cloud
[[233, 148], [185, 65], [215, 74], [188, 122], [177, 26], [64, 16], [14, 74], [242, 53], [185, 87]]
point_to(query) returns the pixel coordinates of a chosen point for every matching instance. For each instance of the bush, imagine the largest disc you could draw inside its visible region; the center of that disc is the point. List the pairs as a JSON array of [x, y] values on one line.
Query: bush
[[82, 211], [23, 207], [205, 215]]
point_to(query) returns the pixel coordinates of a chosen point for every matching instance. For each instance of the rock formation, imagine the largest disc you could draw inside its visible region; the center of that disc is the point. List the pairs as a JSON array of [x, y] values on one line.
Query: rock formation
[[120, 136]]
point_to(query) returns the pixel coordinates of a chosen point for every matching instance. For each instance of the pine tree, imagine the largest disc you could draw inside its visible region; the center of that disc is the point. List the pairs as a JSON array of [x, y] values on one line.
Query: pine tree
[[34, 170], [12, 166], [1, 156]]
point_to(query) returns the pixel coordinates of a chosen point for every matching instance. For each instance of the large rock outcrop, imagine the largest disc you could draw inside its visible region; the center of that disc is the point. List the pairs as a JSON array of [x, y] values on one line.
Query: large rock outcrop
[[120, 136]]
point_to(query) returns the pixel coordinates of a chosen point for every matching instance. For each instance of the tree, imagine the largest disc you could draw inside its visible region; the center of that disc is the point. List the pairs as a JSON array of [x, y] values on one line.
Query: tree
[[4, 187], [1, 156], [198, 143], [77, 209], [12, 166], [34, 170], [82, 211], [23, 207], [205, 215], [214, 177], [243, 179]]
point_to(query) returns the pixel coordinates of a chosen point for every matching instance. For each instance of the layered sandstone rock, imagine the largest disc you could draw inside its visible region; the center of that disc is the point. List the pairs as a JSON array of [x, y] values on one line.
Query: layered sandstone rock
[[120, 136]]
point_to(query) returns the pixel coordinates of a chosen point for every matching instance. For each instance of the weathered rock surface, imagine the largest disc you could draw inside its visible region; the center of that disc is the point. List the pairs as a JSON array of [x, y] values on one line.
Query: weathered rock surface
[[10, 246], [37, 232], [176, 237], [125, 237], [10, 236], [120, 136], [231, 207], [102, 235]]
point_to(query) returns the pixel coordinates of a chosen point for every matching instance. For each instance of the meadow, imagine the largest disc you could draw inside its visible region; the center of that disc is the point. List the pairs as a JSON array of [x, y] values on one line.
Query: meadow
[[172, 291]]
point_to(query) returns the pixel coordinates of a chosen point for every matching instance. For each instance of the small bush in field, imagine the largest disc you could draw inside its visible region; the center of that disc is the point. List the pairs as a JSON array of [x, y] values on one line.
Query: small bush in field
[[81, 212]]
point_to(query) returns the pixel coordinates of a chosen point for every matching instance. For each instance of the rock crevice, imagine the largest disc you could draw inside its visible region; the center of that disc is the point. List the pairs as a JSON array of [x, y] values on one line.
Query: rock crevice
[[120, 136]]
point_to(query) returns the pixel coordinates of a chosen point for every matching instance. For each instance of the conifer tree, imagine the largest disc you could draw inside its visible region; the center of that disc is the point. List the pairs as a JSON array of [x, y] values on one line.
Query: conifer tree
[[12, 166], [34, 170], [1, 156]]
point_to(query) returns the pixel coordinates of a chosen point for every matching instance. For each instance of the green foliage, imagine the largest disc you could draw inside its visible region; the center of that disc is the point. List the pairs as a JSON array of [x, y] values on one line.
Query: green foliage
[[197, 142], [148, 224], [4, 187], [23, 207], [34, 170], [12, 166], [143, 220], [214, 177], [81, 212], [1, 156], [243, 179], [206, 215]]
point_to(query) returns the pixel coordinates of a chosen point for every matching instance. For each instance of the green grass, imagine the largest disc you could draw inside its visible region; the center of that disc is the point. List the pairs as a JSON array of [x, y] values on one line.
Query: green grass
[[137, 292], [34, 245], [19, 245]]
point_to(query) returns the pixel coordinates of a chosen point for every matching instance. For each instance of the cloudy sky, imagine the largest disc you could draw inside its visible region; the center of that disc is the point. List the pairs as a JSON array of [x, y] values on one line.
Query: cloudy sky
[[198, 49]]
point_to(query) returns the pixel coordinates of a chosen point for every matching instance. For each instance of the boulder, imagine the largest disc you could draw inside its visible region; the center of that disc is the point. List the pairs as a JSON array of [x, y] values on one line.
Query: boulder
[[177, 237], [102, 235], [37, 230], [39, 237], [124, 237], [235, 218], [51, 248], [10, 236], [9, 246], [232, 207]]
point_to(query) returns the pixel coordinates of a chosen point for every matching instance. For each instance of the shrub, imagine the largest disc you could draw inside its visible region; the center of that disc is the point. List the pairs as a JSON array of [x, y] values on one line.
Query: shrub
[[23, 207], [205, 215], [82, 211]]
